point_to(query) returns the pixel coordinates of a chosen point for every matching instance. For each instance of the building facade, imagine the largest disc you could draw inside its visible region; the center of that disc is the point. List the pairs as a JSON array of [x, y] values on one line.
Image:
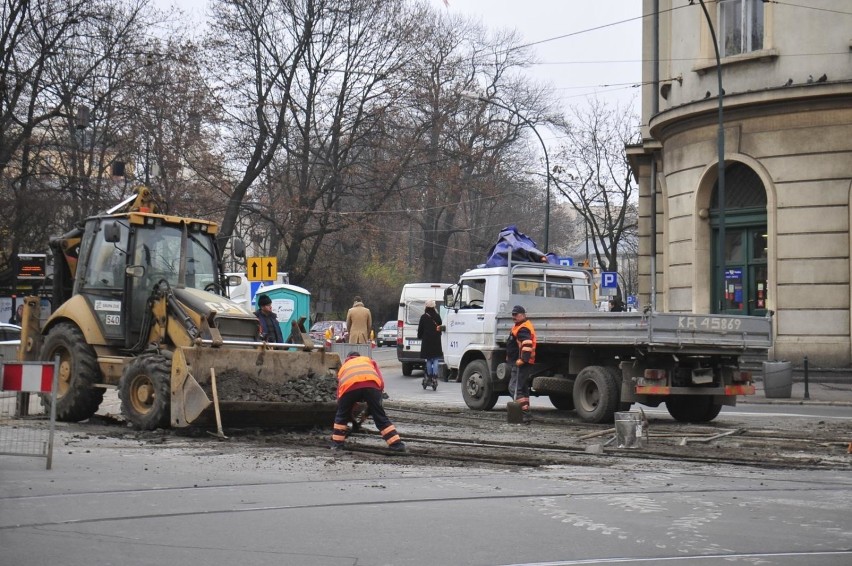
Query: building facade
[[783, 209]]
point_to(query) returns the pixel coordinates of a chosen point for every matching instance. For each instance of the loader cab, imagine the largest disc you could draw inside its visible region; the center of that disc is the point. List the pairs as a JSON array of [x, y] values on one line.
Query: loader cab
[[101, 275], [123, 257]]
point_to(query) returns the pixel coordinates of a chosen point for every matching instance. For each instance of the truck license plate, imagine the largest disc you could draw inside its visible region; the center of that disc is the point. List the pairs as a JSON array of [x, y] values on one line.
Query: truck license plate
[[413, 343]]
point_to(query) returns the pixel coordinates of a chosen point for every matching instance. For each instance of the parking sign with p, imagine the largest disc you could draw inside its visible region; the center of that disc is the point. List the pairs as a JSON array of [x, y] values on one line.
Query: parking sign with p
[[609, 283]]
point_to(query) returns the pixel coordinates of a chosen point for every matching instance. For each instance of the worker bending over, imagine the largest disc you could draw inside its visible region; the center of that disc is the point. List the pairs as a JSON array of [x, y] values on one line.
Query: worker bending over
[[359, 379]]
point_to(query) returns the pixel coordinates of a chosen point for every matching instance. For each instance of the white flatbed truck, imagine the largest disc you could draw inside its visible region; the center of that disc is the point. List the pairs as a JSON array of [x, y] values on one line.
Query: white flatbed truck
[[593, 362]]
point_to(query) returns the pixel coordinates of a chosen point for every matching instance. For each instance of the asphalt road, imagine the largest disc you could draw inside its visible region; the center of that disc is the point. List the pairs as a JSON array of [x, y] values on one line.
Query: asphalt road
[[126, 499]]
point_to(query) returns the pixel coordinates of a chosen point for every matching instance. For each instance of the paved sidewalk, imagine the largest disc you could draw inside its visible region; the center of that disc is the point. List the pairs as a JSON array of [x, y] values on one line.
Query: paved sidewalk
[[838, 392]]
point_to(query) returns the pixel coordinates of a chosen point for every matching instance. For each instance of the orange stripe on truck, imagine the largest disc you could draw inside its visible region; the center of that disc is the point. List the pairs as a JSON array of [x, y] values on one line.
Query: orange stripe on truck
[[653, 389], [739, 390]]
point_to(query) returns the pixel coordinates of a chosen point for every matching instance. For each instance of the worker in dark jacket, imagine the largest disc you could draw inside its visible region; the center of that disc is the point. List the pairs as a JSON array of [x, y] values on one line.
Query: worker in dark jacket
[[359, 380], [270, 331], [520, 354]]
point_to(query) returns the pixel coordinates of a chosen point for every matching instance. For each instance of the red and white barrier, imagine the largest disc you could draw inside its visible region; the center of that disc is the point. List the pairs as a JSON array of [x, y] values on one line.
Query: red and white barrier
[[35, 378], [25, 378]]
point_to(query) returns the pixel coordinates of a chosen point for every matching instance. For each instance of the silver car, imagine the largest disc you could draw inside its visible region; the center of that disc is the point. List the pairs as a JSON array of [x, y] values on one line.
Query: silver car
[[10, 338], [387, 335]]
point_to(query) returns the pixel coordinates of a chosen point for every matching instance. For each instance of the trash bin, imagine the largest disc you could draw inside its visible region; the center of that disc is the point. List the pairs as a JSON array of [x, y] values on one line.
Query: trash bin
[[778, 380], [289, 302], [630, 430]]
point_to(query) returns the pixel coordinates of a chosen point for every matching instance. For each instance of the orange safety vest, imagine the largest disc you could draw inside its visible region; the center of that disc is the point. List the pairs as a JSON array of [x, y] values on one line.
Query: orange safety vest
[[357, 370], [526, 345]]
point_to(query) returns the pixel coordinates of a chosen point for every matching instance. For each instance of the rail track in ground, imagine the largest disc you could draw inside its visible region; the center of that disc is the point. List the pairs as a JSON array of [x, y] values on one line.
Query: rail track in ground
[[450, 436], [461, 437]]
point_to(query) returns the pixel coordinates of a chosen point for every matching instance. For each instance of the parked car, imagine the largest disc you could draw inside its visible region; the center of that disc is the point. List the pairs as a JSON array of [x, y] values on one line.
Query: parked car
[[387, 335], [338, 331], [10, 338]]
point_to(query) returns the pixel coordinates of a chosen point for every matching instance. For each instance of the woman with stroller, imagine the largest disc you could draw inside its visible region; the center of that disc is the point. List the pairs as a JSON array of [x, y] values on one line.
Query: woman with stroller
[[429, 333]]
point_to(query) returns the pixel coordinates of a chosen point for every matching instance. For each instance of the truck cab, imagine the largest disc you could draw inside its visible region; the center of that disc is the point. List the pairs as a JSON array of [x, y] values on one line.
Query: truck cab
[[483, 295]]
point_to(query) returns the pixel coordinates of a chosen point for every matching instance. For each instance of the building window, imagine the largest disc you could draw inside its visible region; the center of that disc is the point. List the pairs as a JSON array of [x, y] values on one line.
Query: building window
[[740, 26]]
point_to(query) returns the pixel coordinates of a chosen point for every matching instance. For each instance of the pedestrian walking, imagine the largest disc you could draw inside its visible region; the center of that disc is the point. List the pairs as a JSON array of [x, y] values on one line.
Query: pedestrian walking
[[359, 380], [520, 354], [429, 333], [359, 321], [270, 331], [18, 316]]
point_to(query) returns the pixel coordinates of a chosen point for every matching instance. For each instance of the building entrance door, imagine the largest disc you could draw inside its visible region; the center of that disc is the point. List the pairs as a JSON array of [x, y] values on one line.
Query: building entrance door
[[745, 280], [745, 247]]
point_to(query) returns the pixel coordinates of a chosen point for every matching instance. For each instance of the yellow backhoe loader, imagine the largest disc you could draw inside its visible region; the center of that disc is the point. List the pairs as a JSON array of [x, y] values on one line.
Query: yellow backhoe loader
[[143, 307]]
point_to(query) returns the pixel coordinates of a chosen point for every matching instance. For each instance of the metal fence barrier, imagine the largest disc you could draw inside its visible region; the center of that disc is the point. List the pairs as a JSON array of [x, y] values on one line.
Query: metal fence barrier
[[26, 429]]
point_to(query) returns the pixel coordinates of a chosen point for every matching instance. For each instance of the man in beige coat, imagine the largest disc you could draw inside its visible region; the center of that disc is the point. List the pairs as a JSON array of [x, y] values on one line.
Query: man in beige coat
[[359, 321]]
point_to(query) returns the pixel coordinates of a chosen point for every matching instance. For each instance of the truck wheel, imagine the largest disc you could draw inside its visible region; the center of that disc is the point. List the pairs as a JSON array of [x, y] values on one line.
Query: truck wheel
[[145, 392], [407, 369], [477, 389], [595, 395], [558, 390], [76, 398], [692, 408]]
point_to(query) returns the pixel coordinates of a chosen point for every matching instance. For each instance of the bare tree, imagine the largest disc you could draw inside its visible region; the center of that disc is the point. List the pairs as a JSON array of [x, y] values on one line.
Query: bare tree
[[469, 160], [592, 172], [58, 57], [309, 85], [171, 128]]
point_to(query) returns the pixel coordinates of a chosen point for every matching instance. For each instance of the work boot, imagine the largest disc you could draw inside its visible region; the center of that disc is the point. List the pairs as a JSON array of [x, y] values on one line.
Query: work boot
[[398, 447]]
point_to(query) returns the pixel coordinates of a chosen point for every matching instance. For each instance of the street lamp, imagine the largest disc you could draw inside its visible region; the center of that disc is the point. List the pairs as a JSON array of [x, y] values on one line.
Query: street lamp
[[721, 168], [546, 159]]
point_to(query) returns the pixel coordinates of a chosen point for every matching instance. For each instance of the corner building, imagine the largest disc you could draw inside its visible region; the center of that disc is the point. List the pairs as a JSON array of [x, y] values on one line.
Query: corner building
[[787, 120]]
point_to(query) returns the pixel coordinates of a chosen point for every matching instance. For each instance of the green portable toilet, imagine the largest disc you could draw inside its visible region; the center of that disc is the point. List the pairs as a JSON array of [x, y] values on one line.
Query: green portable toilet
[[289, 303]]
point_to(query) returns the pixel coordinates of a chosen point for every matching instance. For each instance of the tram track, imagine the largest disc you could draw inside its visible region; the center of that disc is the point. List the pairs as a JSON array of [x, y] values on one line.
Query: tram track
[[559, 438]]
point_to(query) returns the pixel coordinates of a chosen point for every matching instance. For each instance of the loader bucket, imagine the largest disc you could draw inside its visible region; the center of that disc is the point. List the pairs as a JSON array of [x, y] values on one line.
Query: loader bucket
[[264, 388]]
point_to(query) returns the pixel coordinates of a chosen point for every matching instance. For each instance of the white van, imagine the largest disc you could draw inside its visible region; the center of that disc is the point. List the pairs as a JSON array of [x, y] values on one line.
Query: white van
[[412, 304]]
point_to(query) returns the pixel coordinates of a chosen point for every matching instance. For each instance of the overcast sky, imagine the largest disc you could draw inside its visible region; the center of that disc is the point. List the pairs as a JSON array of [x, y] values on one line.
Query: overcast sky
[[585, 48], [578, 59], [603, 62]]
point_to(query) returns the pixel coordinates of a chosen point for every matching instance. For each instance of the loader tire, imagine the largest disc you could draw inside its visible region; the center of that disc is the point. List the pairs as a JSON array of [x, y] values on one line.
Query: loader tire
[[692, 408], [76, 397], [145, 392], [477, 387], [596, 395]]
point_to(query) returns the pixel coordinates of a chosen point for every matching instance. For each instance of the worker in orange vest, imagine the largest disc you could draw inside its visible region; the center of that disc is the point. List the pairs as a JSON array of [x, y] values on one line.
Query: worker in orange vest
[[359, 380], [520, 354]]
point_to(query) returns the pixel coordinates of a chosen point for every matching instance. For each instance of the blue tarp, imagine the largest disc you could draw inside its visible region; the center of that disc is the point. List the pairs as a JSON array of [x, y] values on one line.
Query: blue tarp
[[523, 248]]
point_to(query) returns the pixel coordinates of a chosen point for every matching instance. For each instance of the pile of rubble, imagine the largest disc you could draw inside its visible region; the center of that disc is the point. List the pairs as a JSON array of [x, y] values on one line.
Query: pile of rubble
[[233, 385]]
